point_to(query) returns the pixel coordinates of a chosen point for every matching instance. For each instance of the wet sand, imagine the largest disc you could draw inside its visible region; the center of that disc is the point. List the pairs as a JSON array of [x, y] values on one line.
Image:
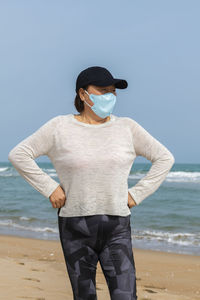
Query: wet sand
[[35, 269]]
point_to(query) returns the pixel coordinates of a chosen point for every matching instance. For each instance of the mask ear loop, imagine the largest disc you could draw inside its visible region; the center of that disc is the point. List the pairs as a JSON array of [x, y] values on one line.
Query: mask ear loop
[[85, 101]]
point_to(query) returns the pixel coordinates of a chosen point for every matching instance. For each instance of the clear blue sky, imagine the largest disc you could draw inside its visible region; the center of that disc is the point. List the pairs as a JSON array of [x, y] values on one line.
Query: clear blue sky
[[154, 45]]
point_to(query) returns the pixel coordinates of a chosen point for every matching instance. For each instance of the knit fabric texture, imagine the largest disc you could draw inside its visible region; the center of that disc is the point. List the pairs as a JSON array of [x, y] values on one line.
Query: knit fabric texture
[[92, 162]]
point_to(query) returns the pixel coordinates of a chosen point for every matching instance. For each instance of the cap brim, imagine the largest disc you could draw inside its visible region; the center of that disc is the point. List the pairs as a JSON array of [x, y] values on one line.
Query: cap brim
[[120, 83]]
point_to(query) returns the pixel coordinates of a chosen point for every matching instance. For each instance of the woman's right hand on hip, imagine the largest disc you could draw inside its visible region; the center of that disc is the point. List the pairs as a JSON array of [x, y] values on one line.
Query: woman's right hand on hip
[[58, 197]]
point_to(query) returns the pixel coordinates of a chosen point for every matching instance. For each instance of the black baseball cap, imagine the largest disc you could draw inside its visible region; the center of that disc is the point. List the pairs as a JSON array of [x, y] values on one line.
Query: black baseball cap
[[99, 76]]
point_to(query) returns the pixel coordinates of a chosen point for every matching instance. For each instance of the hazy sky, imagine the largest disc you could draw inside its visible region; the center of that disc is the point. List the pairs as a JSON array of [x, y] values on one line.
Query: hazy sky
[[152, 44]]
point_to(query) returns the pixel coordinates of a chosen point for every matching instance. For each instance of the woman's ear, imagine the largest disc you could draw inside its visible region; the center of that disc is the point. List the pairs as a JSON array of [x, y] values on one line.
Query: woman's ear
[[81, 93]]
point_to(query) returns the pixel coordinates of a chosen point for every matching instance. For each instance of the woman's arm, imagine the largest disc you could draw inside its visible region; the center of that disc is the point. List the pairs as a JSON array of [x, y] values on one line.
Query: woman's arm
[[162, 161], [23, 154]]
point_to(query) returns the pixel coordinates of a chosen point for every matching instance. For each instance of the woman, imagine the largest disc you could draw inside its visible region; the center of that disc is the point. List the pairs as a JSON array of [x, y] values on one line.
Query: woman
[[93, 153]]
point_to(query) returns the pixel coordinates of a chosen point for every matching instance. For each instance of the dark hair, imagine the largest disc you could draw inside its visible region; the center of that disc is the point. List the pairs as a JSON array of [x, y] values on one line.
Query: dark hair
[[78, 103]]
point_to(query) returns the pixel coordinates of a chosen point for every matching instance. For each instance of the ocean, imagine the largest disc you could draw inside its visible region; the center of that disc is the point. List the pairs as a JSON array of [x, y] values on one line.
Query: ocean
[[168, 220]]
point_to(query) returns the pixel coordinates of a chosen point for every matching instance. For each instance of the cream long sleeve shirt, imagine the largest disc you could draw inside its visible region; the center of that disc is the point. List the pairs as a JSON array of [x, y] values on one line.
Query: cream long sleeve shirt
[[93, 162]]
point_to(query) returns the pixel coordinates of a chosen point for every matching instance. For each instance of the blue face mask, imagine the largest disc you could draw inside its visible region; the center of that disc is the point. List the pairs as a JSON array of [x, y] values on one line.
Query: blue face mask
[[103, 104]]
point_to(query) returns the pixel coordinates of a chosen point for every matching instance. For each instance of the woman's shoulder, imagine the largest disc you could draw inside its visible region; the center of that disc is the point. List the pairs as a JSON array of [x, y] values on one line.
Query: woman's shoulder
[[59, 118], [127, 121], [55, 122]]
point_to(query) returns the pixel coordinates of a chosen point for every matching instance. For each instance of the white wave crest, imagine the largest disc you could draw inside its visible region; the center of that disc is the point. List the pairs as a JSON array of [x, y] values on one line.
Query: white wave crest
[[10, 223], [3, 169], [183, 176], [9, 172], [181, 238], [177, 176], [25, 218]]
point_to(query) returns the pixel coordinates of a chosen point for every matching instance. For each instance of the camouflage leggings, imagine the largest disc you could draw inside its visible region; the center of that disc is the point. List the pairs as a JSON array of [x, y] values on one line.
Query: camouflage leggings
[[104, 238]]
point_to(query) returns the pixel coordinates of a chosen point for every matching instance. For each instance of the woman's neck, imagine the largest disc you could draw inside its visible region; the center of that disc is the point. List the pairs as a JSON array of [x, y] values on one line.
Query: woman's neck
[[85, 119]]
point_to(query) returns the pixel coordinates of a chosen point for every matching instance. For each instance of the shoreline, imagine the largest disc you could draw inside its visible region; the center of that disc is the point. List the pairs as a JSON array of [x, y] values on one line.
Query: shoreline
[[35, 269], [135, 246]]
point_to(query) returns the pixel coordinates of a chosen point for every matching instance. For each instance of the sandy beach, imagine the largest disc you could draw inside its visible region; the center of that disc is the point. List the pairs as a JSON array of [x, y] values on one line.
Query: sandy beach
[[35, 269]]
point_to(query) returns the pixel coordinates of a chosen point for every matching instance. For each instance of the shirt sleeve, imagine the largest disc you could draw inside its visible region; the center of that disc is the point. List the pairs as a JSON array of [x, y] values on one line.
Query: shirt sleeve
[[162, 161], [23, 154]]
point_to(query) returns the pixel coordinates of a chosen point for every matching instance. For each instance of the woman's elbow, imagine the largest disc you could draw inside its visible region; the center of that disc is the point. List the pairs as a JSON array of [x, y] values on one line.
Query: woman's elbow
[[172, 159], [167, 159], [12, 156], [15, 156]]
